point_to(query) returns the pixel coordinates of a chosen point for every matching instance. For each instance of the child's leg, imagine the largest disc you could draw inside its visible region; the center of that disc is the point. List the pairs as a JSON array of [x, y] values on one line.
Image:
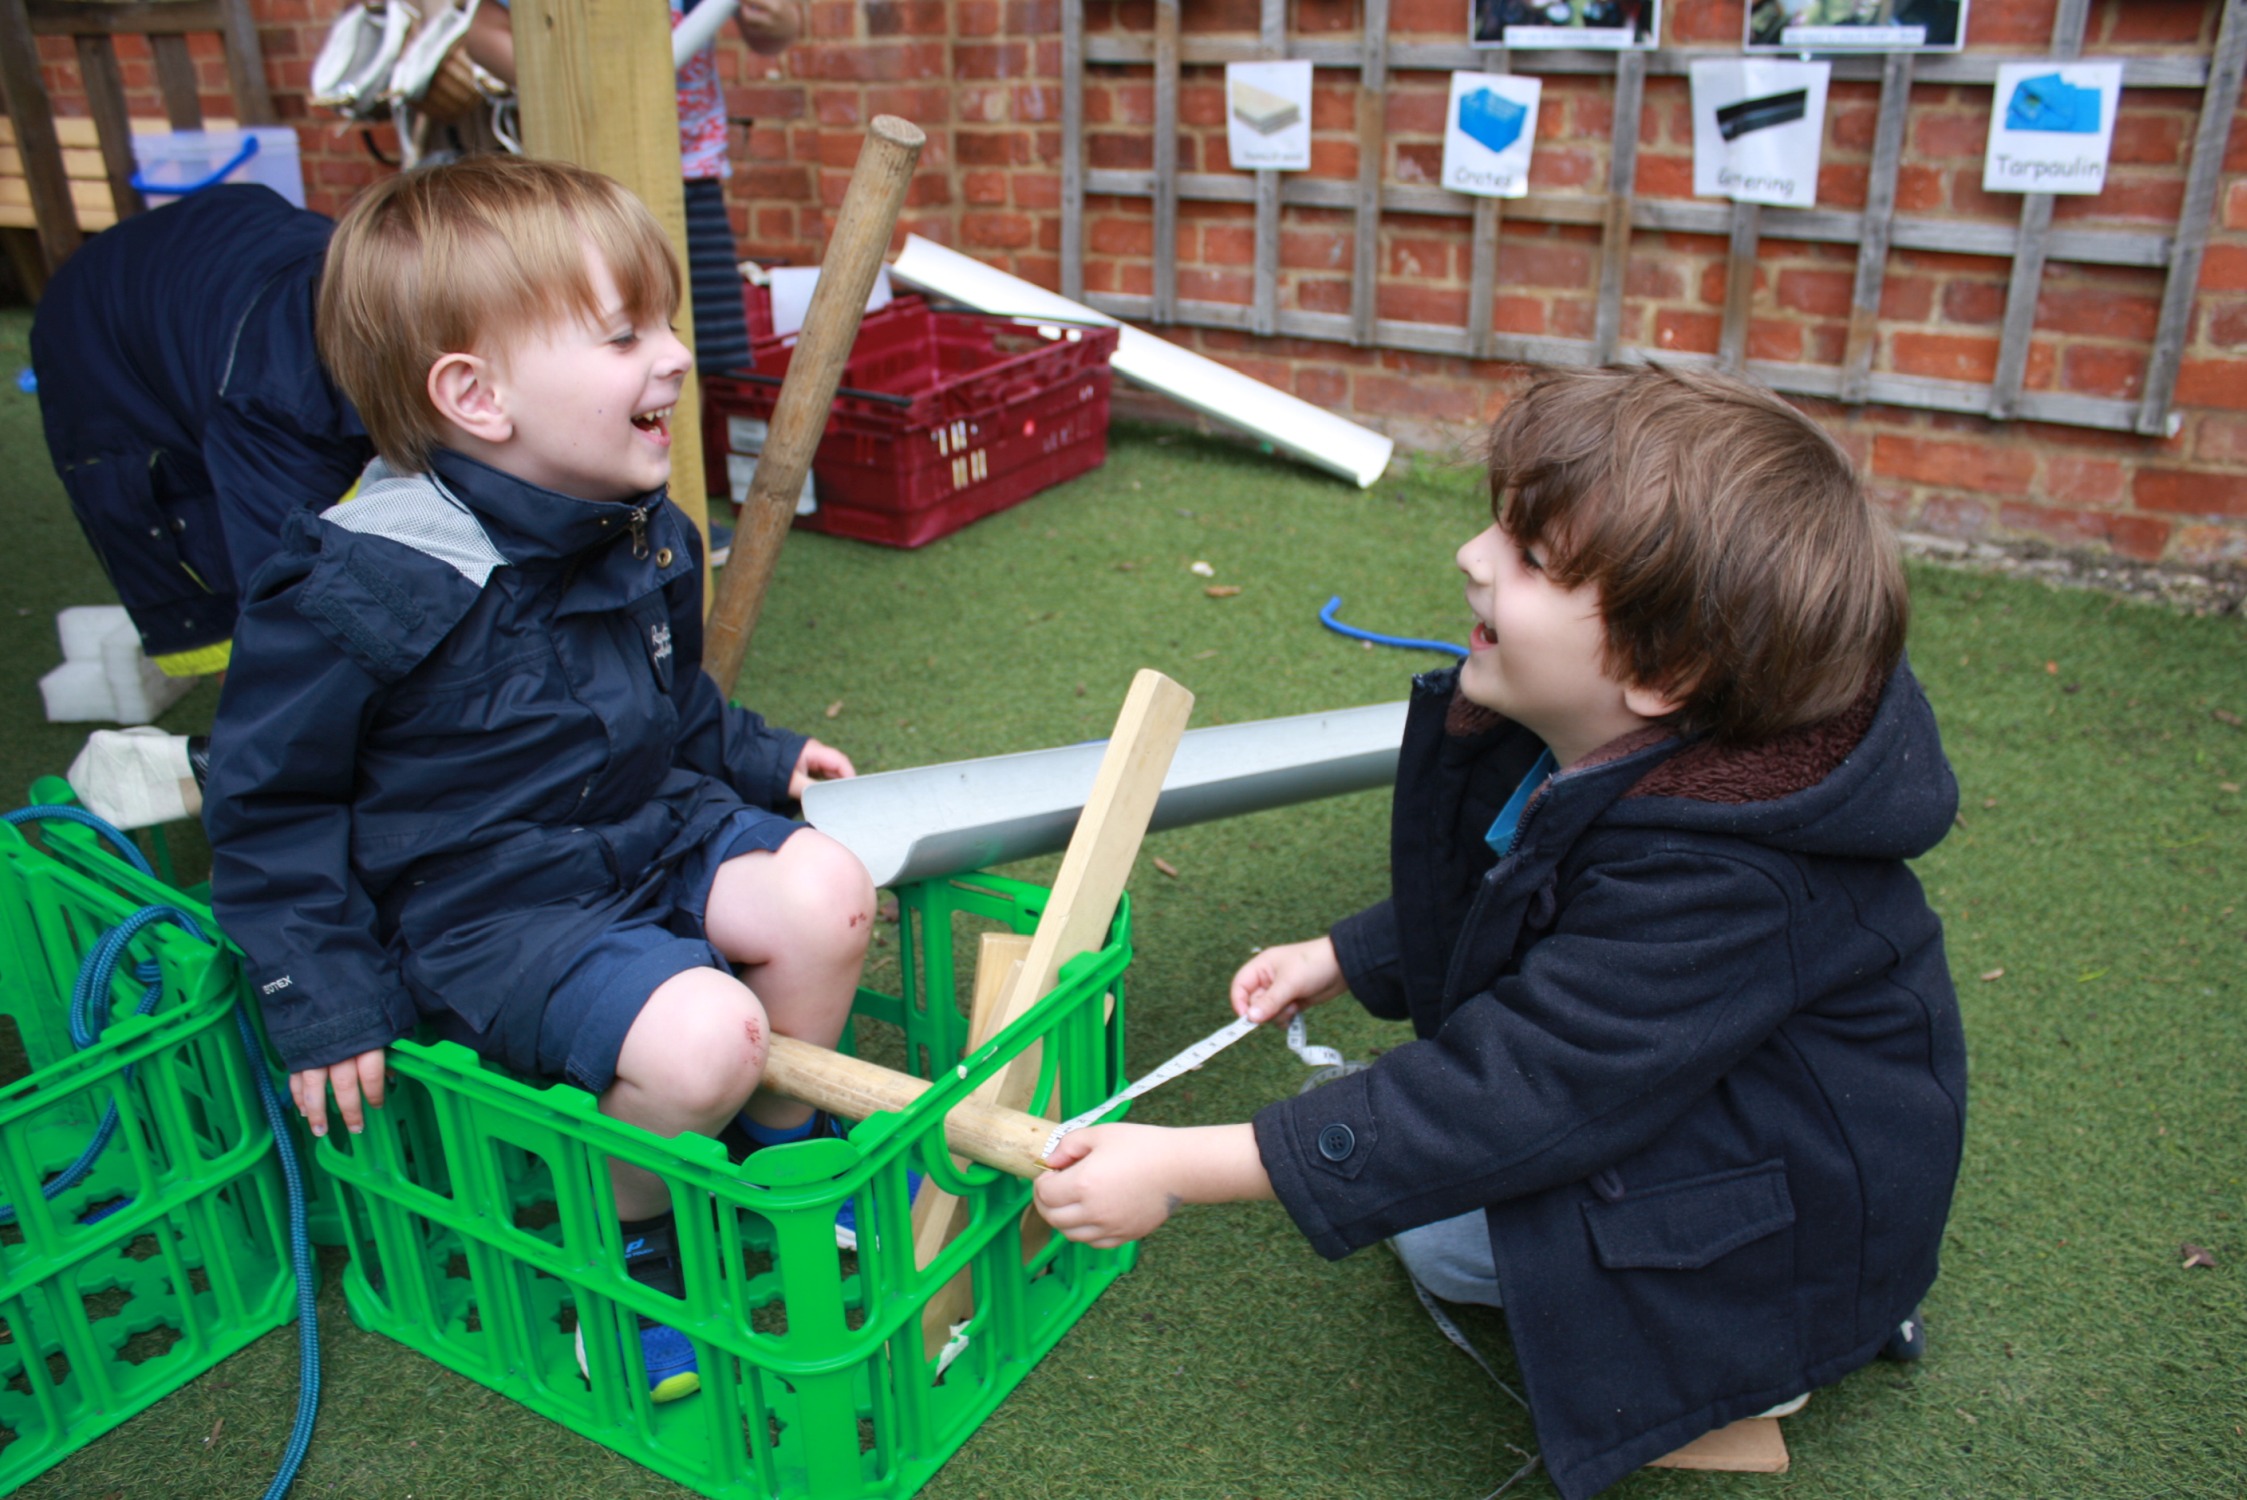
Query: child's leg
[[689, 1062], [796, 919]]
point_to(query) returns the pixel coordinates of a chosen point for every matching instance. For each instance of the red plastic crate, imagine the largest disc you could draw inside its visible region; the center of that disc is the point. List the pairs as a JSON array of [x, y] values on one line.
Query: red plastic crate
[[996, 413]]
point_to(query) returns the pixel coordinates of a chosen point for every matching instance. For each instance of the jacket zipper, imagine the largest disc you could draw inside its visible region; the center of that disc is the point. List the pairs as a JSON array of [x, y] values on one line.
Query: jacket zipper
[[639, 525]]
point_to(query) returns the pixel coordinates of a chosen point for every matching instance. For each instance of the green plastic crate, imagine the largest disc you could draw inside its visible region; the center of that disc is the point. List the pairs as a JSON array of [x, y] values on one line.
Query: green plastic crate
[[104, 1313], [482, 1234]]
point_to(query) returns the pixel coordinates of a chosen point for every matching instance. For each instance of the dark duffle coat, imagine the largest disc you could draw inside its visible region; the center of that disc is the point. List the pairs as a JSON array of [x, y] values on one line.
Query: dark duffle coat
[[1692, 1046]]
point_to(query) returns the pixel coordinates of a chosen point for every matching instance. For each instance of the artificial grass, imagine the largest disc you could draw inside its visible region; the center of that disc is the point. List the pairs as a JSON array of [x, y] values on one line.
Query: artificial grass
[[2096, 865]]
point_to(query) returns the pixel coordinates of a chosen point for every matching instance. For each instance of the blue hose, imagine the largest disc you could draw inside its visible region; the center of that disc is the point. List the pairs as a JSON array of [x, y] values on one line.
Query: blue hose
[[1326, 618], [88, 1007]]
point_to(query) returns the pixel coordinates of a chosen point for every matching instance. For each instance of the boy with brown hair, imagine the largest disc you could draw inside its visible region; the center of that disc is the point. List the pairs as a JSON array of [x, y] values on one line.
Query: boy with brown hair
[[1688, 1089], [467, 771]]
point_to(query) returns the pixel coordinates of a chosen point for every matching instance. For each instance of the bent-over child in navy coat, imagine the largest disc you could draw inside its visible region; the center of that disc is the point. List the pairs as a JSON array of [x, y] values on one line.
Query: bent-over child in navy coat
[[1688, 1086], [467, 769]]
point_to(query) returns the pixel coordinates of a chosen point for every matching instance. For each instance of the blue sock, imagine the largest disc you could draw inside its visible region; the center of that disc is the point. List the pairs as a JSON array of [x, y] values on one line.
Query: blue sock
[[774, 1135]]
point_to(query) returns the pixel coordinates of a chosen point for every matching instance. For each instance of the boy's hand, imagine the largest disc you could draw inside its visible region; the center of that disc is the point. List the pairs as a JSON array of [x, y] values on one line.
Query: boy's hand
[[818, 763], [768, 26], [1280, 983], [1110, 1184], [1113, 1183], [353, 1079]]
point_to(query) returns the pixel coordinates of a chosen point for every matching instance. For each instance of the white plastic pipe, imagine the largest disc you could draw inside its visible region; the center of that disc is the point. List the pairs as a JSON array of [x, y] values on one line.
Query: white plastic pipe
[[696, 29], [1289, 424], [970, 814]]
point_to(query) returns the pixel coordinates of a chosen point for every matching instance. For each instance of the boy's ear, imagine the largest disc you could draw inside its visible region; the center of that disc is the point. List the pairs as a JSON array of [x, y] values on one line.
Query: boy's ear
[[1653, 703], [465, 392]]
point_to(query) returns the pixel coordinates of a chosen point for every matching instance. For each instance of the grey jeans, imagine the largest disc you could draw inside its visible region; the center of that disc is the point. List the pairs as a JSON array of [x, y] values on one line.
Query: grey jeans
[[1451, 1258]]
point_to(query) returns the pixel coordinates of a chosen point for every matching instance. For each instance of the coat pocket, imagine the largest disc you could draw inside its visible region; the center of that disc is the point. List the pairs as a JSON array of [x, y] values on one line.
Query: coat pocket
[[1684, 1226]]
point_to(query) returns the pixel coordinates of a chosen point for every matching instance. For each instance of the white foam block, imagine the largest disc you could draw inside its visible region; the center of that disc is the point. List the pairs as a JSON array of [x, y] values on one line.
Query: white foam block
[[138, 688], [83, 628], [77, 692]]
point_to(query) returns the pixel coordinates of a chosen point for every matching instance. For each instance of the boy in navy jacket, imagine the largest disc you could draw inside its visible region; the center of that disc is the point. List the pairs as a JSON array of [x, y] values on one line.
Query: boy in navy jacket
[[467, 770], [1688, 1089]]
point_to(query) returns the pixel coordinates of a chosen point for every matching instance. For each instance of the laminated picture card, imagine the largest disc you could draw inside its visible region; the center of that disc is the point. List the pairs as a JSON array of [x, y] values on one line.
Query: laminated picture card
[[1488, 134], [1856, 26], [1564, 23], [2051, 127], [1268, 115], [1759, 128]]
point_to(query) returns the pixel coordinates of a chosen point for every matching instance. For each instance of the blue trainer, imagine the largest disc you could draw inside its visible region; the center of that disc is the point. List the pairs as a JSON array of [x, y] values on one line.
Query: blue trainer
[[846, 1217], [746, 1135], [652, 1259]]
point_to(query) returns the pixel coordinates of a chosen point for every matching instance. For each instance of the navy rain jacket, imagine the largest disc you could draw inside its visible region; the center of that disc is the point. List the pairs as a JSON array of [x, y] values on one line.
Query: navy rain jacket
[[466, 727], [185, 405], [1693, 1046]]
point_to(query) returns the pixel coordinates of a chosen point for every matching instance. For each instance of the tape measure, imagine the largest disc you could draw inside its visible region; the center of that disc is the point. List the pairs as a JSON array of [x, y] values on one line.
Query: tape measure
[[1190, 1059]]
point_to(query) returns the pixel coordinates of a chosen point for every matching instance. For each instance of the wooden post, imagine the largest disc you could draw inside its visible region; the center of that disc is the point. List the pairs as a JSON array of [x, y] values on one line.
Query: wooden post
[[1076, 919], [799, 418], [1008, 1139], [597, 88]]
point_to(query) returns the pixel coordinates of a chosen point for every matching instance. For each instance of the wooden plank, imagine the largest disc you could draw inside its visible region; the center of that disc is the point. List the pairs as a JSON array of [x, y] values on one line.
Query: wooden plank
[[1271, 44], [2202, 184], [1752, 1445], [1880, 212], [1373, 150], [177, 81], [1739, 285], [105, 101], [1622, 174], [245, 65], [2027, 283], [28, 106], [1482, 271], [597, 88], [1954, 68], [77, 133], [1072, 149], [1076, 919], [1166, 160], [126, 17]]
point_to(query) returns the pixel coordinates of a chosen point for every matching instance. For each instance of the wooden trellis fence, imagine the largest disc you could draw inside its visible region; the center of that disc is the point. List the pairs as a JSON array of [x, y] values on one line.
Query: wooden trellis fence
[[1876, 230]]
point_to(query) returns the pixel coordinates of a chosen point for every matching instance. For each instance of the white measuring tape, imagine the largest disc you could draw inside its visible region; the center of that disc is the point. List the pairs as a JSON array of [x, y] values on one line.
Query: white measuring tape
[[1190, 1059]]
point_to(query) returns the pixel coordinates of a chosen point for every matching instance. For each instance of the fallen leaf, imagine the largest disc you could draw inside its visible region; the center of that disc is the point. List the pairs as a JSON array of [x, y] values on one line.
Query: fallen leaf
[[834, 708], [1992, 974], [2227, 786], [1166, 867], [887, 911], [1206, 655], [2051, 669], [215, 1427], [1222, 590], [2195, 1256], [1080, 690], [1969, 1416], [1201, 569], [1988, 803], [1127, 567], [2226, 716]]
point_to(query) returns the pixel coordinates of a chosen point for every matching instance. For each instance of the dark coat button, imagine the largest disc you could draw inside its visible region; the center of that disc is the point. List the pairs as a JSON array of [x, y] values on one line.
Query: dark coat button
[[1336, 1142]]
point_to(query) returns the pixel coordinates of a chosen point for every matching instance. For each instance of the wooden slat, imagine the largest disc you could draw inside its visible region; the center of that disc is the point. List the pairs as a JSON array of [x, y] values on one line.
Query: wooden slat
[[46, 186], [2027, 283], [1166, 159], [176, 80], [105, 101], [1622, 173], [1373, 150], [1950, 68], [2095, 247], [1739, 285], [1271, 44], [90, 203], [1880, 212], [2201, 186], [78, 134], [1482, 271], [126, 17], [1072, 149], [245, 65]]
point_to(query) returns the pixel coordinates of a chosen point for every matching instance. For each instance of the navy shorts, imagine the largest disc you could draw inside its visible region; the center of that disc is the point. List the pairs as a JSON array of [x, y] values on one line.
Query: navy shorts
[[606, 986]]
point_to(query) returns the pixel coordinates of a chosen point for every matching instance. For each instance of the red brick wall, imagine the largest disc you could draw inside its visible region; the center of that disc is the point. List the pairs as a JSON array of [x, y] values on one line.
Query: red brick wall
[[982, 76]]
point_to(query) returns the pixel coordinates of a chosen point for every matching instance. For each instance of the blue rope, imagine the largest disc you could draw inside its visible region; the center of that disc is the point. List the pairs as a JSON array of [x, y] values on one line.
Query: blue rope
[[88, 1015], [1326, 618]]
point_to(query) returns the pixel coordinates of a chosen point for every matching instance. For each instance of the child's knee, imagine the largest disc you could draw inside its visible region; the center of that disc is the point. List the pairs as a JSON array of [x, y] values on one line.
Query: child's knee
[[702, 1041], [836, 895]]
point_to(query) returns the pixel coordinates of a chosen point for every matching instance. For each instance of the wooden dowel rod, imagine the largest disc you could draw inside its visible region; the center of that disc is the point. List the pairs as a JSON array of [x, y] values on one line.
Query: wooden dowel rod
[[1008, 1139]]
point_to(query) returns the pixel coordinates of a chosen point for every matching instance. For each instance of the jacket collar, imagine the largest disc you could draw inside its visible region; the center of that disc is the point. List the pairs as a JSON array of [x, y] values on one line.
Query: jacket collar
[[529, 522]]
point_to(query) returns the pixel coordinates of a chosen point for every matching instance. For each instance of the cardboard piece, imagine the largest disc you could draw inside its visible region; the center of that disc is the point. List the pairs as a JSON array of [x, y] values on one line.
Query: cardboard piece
[[1752, 1445]]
